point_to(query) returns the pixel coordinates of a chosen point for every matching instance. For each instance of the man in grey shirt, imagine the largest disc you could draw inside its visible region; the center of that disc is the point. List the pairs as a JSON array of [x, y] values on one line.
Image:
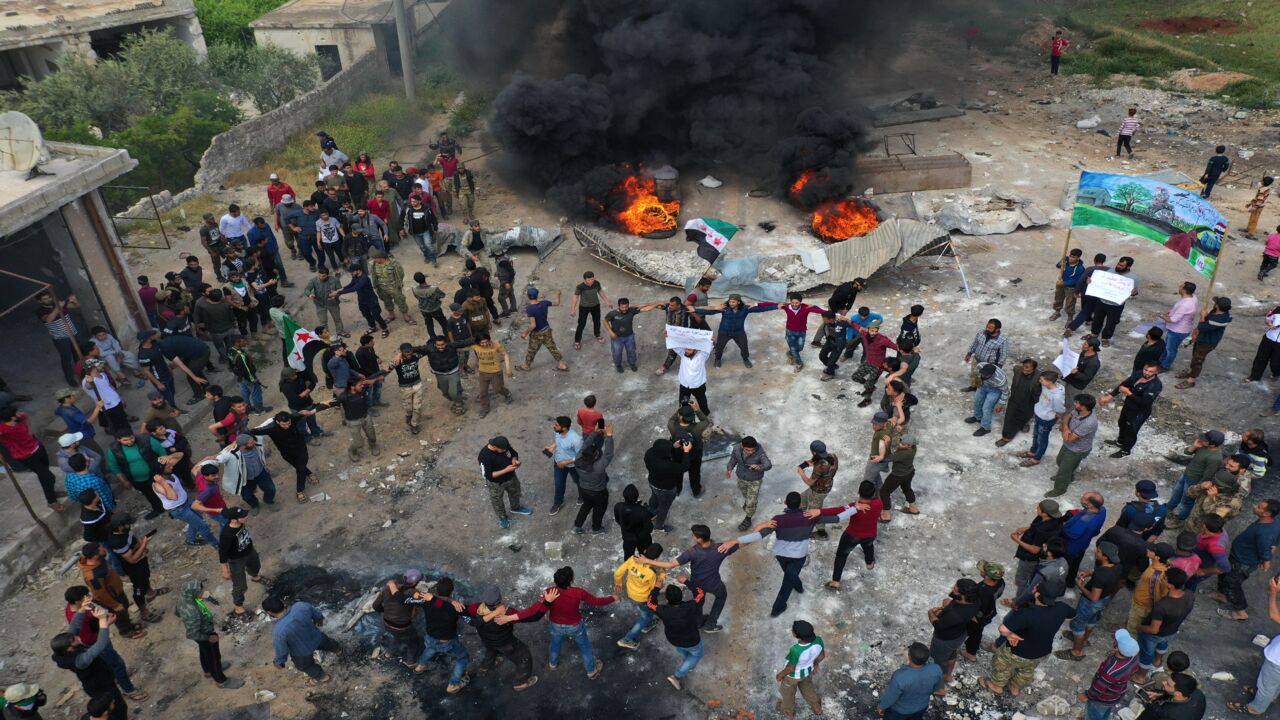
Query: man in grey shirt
[[751, 463], [1078, 430]]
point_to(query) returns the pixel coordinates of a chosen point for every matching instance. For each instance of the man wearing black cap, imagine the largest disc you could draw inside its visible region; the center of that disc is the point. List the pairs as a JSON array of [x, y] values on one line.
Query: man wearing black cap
[[500, 640], [366, 299], [691, 423], [1205, 338], [498, 464], [992, 387], [1140, 391], [1031, 541], [238, 557], [1096, 589], [1146, 514], [818, 473], [1087, 365]]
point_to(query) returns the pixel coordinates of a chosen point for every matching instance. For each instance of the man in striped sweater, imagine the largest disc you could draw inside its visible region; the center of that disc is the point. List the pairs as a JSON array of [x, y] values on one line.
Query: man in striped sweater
[[791, 548], [1111, 681]]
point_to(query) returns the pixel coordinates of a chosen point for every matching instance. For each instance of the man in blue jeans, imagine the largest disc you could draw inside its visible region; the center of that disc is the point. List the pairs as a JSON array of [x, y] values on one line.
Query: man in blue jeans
[[1179, 322], [442, 613], [992, 385], [564, 447], [1048, 411], [1096, 589], [791, 549], [417, 221], [302, 223], [680, 622], [1167, 615]]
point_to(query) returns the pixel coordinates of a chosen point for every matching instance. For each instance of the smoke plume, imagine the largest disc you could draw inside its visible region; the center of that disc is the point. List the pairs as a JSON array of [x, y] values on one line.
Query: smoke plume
[[743, 84]]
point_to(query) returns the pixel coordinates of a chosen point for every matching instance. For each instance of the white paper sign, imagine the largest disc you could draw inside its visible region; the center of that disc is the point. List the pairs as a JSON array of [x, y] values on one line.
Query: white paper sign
[[1067, 358], [1110, 287], [684, 337]]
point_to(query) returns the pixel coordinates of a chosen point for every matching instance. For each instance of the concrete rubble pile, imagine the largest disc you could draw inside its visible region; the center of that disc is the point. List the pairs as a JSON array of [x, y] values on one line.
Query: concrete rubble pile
[[985, 211]]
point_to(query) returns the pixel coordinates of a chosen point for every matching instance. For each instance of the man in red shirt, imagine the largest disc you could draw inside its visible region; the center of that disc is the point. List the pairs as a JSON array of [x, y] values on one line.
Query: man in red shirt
[[862, 529], [588, 416], [379, 206], [27, 453], [563, 602], [277, 189], [1058, 46]]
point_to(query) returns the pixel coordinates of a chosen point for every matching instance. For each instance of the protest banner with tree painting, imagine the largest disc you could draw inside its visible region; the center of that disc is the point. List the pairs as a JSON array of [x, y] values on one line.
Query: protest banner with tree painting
[[1178, 219]]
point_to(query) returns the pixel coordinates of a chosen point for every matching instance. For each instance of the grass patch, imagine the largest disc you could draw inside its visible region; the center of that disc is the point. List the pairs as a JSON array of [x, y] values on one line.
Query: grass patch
[[1098, 217], [1254, 49], [1114, 55], [372, 123], [1254, 93]]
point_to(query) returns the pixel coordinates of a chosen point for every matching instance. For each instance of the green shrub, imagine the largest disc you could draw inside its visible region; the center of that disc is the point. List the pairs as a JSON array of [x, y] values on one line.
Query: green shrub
[[1251, 93], [227, 21]]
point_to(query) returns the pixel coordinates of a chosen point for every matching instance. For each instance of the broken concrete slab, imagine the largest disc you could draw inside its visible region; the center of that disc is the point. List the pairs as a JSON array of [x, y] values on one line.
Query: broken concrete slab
[[986, 212], [941, 112]]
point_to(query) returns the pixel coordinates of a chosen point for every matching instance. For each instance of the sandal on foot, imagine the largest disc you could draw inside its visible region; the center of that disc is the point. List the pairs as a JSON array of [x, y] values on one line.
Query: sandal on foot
[[1184, 385], [386, 333], [908, 511], [137, 696], [1029, 462], [312, 682], [832, 585], [302, 498], [1243, 708], [260, 580]]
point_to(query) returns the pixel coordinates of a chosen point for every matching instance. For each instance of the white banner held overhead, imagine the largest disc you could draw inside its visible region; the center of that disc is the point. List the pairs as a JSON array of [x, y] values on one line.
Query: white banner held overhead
[[683, 337], [1110, 287]]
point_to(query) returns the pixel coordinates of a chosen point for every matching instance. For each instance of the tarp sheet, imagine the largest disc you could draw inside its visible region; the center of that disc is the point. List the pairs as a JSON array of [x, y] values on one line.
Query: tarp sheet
[[741, 276]]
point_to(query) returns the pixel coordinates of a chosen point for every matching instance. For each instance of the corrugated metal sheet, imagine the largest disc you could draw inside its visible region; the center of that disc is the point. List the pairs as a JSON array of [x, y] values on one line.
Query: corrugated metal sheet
[[896, 240]]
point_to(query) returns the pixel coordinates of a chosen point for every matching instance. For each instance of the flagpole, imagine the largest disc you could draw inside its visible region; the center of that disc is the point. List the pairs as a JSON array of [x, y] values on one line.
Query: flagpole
[[1213, 276]]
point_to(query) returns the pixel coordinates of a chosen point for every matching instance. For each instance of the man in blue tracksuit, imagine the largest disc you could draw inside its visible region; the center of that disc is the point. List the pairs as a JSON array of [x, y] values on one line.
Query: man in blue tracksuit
[[793, 528], [366, 299], [733, 326]]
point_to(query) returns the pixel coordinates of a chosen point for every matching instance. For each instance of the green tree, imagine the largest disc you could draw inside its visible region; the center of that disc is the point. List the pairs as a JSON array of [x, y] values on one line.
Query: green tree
[[1132, 194], [101, 93], [168, 146], [269, 76], [227, 21], [163, 68]]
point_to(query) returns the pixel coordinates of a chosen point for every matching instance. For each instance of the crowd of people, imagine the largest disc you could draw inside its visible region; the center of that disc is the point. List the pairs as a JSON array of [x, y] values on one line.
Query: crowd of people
[[1158, 551]]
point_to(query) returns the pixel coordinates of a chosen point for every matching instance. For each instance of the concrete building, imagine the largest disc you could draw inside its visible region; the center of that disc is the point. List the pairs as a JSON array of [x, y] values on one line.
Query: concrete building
[[340, 32], [54, 229], [36, 34]]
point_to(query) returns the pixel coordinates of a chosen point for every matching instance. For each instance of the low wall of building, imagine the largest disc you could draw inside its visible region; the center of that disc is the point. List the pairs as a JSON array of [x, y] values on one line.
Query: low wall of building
[[253, 141]]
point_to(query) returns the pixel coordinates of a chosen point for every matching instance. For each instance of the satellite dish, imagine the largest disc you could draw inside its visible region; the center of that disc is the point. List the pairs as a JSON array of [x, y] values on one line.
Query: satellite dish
[[22, 147]]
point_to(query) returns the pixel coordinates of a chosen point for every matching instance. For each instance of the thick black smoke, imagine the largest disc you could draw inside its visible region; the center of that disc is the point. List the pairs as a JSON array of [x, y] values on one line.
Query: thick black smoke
[[737, 83]]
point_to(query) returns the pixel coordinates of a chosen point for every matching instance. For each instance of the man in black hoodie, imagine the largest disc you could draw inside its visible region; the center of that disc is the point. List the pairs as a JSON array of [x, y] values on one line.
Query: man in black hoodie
[[635, 520], [285, 430], [841, 302], [666, 475], [690, 421]]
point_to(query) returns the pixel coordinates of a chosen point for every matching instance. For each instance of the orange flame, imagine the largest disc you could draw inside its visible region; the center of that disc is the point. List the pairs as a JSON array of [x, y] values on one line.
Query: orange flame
[[642, 212], [805, 178], [838, 220]]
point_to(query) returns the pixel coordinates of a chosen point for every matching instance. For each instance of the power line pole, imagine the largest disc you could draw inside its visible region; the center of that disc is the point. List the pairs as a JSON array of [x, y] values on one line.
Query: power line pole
[[404, 38]]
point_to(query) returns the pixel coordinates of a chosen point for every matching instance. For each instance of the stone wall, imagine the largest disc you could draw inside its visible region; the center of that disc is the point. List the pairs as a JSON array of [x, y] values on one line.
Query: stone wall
[[254, 141]]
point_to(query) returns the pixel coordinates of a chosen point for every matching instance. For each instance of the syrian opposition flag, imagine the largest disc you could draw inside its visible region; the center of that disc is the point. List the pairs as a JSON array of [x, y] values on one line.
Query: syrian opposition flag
[[303, 344], [711, 234]]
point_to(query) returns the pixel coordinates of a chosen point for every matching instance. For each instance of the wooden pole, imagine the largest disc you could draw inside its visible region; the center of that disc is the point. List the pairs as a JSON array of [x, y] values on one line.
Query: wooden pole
[[1066, 245], [27, 503], [1213, 276]]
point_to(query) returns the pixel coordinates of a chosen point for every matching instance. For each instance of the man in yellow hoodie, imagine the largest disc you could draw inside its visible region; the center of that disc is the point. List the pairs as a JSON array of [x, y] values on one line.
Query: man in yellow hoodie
[[642, 581]]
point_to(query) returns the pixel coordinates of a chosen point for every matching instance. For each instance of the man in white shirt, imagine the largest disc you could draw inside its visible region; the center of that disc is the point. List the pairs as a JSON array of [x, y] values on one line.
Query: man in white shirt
[[332, 156], [234, 227], [1048, 411], [1268, 354], [693, 377]]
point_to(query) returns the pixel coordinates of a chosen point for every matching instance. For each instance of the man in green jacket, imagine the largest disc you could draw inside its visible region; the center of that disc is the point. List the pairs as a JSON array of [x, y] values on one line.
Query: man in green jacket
[[197, 618], [387, 275]]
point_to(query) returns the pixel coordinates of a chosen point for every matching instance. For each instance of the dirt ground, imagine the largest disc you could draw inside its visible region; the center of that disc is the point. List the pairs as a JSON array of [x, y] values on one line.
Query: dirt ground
[[421, 504]]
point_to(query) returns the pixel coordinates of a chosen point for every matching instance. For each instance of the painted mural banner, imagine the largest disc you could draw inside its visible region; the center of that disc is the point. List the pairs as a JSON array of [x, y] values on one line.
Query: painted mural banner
[[1177, 218]]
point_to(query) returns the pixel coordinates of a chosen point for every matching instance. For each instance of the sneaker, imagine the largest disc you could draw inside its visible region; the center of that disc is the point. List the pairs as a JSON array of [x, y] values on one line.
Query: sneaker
[[675, 681], [504, 523], [1120, 454], [628, 644], [634, 368], [556, 508], [599, 531], [972, 419], [577, 530], [650, 627], [665, 529], [522, 511], [712, 628], [596, 673], [232, 684], [981, 431], [618, 368], [746, 361]]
